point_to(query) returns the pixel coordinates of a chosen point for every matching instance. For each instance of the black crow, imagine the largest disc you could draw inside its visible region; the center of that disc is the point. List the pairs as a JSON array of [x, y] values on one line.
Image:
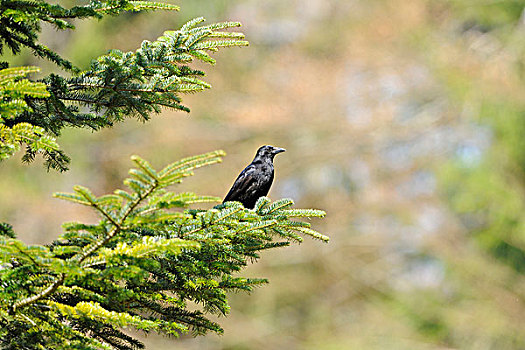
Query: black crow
[[256, 179]]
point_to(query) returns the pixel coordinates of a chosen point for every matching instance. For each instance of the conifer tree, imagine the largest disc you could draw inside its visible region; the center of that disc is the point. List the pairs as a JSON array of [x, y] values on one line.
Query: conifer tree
[[149, 256]]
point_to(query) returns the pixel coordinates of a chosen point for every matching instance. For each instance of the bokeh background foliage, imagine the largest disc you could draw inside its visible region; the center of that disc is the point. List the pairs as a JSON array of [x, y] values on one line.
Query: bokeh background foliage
[[403, 120]]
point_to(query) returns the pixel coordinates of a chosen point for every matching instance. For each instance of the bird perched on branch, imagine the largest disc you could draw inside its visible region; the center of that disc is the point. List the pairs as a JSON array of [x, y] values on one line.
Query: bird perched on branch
[[256, 179]]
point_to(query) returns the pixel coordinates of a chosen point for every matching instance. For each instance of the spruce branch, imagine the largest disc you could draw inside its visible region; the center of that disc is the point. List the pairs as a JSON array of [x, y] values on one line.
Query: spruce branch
[[20, 22], [117, 85], [44, 294], [15, 89], [149, 256]]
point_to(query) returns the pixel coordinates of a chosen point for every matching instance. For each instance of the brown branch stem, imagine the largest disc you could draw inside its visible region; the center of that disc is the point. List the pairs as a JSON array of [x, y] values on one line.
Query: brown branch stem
[[79, 258]]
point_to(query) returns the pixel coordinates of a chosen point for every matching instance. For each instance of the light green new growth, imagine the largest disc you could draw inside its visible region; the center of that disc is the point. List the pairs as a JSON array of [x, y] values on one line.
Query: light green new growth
[[14, 88]]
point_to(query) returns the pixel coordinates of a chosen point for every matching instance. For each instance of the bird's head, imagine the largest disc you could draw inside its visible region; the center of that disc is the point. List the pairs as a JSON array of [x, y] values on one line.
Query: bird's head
[[268, 152]]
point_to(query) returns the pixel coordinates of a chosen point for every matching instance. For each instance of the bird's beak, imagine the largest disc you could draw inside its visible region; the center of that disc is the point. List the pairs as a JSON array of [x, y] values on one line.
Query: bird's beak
[[277, 150]]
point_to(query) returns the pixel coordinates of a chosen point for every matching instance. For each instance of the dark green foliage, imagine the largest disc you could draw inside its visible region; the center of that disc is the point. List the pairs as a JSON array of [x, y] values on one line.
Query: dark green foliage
[[7, 230], [118, 84], [136, 84], [141, 265], [21, 20]]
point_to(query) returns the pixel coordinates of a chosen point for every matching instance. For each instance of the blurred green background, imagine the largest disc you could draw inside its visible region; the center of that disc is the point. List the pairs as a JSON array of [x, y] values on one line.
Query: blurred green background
[[404, 120]]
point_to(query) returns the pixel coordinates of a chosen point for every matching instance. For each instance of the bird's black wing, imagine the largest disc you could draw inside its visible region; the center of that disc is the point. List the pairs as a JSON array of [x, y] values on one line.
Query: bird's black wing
[[245, 185]]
